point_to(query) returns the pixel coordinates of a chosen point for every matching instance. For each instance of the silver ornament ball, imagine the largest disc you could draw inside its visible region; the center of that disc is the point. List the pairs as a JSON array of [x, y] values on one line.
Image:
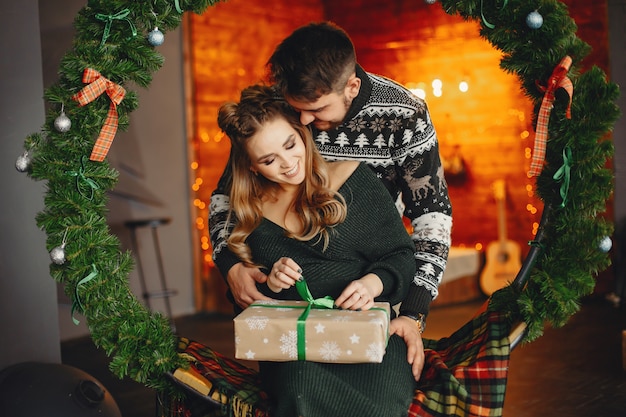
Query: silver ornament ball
[[58, 255], [23, 162], [605, 244], [430, 1], [156, 37], [534, 20], [62, 123]]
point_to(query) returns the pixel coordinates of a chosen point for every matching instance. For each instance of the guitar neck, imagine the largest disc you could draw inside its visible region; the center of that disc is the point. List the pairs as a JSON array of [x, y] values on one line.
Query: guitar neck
[[500, 196]]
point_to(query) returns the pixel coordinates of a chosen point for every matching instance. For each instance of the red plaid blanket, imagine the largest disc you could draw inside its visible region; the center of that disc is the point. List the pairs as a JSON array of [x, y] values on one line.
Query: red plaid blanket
[[465, 375]]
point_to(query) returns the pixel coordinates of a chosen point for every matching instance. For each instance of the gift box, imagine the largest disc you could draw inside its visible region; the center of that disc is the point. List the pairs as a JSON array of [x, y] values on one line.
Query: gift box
[[298, 330]]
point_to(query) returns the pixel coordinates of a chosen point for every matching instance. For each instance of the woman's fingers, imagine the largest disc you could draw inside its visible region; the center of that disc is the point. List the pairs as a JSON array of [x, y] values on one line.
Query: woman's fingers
[[355, 297], [284, 274]]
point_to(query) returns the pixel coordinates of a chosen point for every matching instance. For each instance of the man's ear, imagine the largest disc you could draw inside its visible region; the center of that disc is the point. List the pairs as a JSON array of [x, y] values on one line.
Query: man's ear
[[353, 86]]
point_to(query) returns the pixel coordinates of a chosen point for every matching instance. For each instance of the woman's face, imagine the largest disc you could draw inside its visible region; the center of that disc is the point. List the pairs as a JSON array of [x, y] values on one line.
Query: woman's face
[[278, 153]]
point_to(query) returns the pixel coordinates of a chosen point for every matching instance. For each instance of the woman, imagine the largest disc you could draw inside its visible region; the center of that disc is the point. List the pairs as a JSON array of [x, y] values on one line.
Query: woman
[[333, 223]]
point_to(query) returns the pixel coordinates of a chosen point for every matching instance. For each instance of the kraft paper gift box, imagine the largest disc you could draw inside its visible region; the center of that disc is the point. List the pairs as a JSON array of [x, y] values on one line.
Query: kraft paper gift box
[[269, 331]]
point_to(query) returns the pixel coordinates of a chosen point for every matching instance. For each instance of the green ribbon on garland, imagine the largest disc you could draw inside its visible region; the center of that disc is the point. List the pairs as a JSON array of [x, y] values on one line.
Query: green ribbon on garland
[[489, 25], [177, 5], [324, 302], [564, 174], [80, 176], [76, 304], [109, 18]]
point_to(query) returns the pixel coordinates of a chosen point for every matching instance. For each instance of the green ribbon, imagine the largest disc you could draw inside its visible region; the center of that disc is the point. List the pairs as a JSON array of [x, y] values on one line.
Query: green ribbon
[[177, 5], [489, 25], [324, 302], [80, 176], [76, 304], [109, 18], [564, 174]]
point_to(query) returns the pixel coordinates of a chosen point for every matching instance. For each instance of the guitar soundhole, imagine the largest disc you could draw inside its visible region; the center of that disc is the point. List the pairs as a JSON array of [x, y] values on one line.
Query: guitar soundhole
[[503, 257]]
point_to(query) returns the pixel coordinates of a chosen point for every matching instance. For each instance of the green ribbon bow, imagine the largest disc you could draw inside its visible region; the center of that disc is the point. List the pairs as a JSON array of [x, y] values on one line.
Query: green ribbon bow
[[564, 174], [109, 18], [77, 304], [80, 176], [321, 303]]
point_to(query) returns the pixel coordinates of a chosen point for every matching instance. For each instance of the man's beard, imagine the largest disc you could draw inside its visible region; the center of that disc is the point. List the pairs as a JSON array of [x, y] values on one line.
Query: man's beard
[[330, 125]]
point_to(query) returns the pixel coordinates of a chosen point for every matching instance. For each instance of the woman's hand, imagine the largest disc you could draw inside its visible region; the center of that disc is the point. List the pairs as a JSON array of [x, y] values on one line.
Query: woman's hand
[[284, 274], [360, 294]]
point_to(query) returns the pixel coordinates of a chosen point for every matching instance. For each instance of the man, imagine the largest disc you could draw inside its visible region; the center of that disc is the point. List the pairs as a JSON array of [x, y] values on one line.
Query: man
[[361, 116]]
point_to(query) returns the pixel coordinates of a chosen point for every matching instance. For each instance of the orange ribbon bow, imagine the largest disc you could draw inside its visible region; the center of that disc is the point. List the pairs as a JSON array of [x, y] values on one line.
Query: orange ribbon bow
[[97, 85], [558, 79]]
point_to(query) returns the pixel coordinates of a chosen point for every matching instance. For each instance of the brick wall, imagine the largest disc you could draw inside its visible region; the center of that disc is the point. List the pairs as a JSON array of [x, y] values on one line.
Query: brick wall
[[489, 127]]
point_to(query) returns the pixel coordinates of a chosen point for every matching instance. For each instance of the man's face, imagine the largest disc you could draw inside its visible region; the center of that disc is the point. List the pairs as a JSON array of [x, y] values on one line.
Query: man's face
[[327, 112]]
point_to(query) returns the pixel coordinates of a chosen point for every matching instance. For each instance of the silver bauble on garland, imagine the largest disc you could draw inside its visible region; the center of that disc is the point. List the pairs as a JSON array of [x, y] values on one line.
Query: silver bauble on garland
[[430, 1], [534, 20], [62, 123], [156, 37], [605, 244], [23, 162], [58, 255]]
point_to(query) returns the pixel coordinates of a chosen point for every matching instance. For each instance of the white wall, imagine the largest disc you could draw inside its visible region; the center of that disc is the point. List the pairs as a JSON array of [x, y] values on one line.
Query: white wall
[[28, 308]]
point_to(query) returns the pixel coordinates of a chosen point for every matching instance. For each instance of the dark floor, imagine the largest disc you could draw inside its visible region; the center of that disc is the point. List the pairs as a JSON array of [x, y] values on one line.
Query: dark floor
[[574, 371]]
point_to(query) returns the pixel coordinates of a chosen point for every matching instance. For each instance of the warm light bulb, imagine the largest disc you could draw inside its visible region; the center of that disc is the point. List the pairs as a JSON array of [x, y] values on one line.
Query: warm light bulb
[[437, 84], [463, 87], [419, 92]]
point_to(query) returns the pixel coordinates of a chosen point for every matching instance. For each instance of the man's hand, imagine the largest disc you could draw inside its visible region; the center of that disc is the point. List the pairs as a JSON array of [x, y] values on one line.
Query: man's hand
[[242, 283], [407, 329]]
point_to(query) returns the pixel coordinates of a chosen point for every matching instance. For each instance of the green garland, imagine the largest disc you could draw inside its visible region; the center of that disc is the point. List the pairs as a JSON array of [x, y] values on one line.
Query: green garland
[[111, 38]]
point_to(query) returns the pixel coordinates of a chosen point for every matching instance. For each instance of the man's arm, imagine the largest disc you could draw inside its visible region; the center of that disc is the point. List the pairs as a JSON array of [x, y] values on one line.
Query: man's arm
[[241, 280], [219, 229], [427, 205]]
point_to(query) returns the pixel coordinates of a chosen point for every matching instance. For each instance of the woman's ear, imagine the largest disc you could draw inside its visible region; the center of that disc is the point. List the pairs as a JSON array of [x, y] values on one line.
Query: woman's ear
[[254, 171]]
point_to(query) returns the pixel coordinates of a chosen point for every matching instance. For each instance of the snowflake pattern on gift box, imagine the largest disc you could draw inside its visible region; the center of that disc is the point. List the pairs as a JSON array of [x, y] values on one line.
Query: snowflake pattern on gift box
[[289, 344], [337, 318], [330, 351], [257, 322], [375, 352], [377, 321]]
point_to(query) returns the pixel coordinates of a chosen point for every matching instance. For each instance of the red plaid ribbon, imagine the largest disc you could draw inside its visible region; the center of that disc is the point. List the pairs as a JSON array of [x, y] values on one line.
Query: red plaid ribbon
[[97, 85], [558, 79]]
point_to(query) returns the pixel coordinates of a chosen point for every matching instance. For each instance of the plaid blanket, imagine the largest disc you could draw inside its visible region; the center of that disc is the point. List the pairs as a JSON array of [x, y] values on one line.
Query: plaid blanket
[[464, 375]]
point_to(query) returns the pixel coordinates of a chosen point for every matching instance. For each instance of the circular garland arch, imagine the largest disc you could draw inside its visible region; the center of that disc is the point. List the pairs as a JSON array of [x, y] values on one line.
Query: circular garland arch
[[116, 38]]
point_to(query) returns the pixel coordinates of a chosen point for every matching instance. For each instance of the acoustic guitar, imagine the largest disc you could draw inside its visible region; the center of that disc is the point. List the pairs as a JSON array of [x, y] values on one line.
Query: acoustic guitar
[[503, 257]]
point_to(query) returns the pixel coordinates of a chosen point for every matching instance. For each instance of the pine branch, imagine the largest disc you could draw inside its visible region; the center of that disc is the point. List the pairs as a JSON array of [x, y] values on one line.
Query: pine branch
[[141, 344]]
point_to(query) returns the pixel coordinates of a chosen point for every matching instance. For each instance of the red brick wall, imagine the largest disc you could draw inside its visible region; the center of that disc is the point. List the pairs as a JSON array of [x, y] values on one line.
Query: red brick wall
[[490, 125], [411, 42]]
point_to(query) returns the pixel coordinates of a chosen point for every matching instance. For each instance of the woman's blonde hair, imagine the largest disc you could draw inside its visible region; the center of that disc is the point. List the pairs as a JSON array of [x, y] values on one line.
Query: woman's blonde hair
[[318, 207]]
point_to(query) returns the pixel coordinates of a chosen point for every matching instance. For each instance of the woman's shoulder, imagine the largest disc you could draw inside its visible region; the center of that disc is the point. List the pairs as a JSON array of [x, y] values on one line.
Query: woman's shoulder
[[340, 171]]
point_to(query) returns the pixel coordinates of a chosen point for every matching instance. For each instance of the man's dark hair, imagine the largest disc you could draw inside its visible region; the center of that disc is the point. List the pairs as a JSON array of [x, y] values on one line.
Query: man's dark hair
[[314, 60]]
